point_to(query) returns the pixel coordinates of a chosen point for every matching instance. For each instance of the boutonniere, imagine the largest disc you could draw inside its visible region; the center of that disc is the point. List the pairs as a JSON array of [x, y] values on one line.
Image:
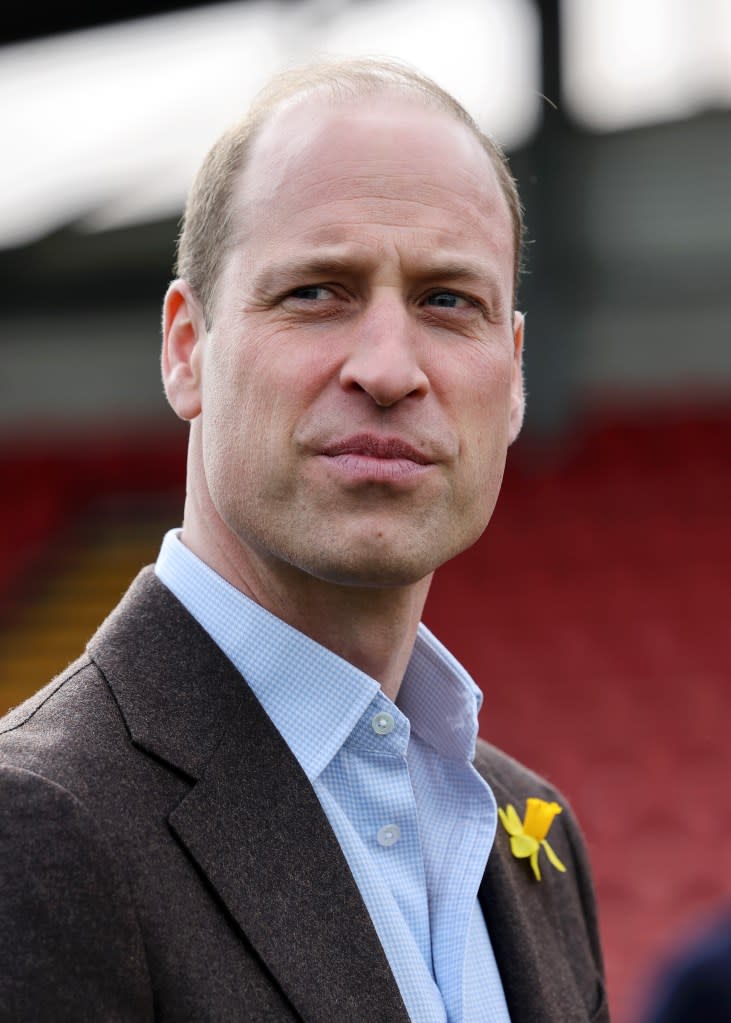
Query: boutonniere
[[528, 837]]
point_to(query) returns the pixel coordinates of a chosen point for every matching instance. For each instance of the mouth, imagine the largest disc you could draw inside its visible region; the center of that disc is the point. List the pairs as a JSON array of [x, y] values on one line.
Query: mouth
[[369, 457], [368, 445]]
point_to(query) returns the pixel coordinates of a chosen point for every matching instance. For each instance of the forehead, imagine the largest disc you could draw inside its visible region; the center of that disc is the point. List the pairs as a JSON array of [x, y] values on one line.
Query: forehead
[[385, 166]]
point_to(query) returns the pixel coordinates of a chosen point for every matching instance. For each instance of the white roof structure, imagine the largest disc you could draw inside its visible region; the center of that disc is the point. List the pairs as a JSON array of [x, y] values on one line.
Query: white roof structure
[[105, 127]]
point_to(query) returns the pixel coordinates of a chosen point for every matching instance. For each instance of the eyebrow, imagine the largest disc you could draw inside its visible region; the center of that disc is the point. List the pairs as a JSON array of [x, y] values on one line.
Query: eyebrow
[[290, 273], [467, 270], [294, 271]]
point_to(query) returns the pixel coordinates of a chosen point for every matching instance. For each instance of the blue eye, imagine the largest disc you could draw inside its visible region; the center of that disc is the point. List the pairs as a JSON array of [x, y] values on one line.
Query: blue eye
[[311, 293], [447, 300]]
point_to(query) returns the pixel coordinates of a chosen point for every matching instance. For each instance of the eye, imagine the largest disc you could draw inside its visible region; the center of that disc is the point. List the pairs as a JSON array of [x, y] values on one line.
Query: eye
[[311, 293], [449, 300]]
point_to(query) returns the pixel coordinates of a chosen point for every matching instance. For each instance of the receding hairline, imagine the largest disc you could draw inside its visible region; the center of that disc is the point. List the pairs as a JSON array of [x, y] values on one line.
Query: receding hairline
[[340, 81]]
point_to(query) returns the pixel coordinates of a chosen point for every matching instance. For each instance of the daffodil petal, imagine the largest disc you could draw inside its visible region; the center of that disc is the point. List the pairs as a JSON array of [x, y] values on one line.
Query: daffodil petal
[[523, 845], [534, 865], [504, 819], [552, 856], [539, 816], [510, 820]]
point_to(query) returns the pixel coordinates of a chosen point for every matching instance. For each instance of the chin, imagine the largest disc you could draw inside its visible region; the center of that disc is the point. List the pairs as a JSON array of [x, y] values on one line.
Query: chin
[[379, 569], [386, 577]]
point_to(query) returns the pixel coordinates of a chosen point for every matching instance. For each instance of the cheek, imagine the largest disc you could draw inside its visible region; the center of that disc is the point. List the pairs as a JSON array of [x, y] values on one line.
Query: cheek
[[255, 394], [484, 397], [482, 415]]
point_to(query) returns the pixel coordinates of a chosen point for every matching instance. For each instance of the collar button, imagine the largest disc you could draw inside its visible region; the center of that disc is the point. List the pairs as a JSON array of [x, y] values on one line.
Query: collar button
[[382, 723]]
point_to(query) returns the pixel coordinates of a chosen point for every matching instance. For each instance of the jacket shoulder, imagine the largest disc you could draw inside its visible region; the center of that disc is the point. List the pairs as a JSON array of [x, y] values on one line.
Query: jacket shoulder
[[21, 714], [497, 766], [73, 719]]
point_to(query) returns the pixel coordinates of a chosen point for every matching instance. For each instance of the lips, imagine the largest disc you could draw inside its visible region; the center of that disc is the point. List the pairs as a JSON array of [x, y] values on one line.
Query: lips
[[369, 445], [366, 459]]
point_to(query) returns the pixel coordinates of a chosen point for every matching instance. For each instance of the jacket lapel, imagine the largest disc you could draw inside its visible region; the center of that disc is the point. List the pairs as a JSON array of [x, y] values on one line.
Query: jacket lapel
[[256, 828], [525, 934], [251, 820]]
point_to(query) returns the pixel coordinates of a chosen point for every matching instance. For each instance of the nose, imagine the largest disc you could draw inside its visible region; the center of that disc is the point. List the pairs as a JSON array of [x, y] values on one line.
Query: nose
[[383, 360]]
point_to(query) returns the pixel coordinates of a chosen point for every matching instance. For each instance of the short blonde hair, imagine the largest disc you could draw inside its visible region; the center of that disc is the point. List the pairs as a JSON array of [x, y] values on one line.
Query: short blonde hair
[[206, 226]]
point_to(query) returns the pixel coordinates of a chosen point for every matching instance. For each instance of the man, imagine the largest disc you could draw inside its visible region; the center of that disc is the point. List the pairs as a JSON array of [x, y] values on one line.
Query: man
[[254, 798]]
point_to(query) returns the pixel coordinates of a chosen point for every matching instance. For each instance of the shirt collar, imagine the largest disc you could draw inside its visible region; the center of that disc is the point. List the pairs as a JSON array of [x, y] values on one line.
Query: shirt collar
[[440, 698], [314, 697]]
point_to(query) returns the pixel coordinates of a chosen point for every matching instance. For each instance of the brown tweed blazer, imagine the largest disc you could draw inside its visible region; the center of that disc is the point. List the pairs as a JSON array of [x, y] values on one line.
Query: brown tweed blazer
[[163, 857]]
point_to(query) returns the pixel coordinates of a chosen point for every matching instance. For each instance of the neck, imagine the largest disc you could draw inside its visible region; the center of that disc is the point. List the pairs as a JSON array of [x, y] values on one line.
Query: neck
[[370, 627]]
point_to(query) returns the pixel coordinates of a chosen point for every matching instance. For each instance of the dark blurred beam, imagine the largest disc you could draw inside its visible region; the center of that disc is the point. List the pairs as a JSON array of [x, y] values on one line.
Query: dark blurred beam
[[548, 172], [70, 269], [23, 22]]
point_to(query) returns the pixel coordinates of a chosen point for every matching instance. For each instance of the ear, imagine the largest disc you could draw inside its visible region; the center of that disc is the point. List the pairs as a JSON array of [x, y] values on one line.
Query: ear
[[517, 387], [183, 334]]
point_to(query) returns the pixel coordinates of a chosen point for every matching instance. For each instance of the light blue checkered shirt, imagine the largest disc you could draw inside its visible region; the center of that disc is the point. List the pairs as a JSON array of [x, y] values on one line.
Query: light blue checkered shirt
[[413, 818]]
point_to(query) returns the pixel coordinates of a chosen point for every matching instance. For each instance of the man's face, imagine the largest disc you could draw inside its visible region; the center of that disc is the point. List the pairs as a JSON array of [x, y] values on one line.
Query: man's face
[[360, 382]]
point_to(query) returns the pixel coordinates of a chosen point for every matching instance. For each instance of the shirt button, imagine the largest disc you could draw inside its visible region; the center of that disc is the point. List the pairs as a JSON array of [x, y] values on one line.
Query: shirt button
[[389, 834], [382, 723]]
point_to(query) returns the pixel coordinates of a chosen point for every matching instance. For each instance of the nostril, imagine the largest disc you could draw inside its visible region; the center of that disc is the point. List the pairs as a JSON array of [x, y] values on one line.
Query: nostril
[[386, 376]]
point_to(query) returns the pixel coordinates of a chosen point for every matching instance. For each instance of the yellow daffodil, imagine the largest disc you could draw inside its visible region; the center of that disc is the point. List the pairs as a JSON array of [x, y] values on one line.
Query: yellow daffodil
[[529, 836]]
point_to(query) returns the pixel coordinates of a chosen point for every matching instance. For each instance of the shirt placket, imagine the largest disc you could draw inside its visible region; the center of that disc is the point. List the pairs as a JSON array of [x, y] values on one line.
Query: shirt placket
[[386, 815]]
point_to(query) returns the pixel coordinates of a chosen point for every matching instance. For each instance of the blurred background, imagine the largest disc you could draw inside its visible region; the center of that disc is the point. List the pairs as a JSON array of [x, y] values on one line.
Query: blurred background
[[594, 613]]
